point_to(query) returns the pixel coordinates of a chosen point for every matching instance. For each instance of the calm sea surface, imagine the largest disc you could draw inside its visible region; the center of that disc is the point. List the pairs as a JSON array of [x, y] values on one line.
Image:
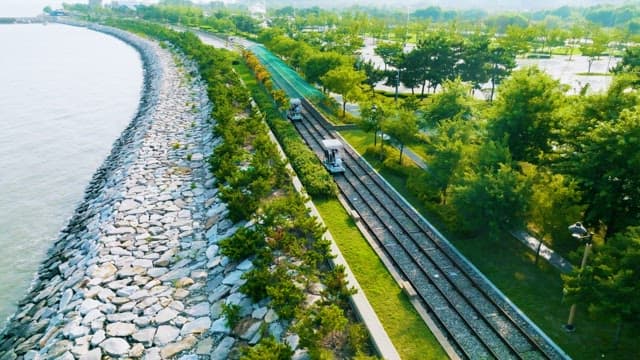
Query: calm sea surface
[[66, 93]]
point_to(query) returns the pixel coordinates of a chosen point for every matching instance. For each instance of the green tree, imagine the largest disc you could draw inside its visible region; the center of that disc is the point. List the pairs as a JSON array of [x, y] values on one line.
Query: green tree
[[501, 62], [320, 64], [605, 161], [452, 102], [402, 127], [245, 23], [371, 117], [492, 201], [609, 282], [576, 32], [413, 70], [390, 52], [595, 48], [525, 112], [474, 67], [622, 94], [491, 195], [374, 75], [345, 81], [517, 39], [630, 62], [446, 148], [441, 52], [555, 202]]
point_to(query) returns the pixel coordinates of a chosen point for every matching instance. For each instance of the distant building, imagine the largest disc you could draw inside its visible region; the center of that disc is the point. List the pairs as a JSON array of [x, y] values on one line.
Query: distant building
[[258, 11]]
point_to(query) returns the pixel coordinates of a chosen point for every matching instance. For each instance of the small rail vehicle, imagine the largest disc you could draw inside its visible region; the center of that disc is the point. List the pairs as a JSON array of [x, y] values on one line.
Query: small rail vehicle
[[294, 113], [332, 160]]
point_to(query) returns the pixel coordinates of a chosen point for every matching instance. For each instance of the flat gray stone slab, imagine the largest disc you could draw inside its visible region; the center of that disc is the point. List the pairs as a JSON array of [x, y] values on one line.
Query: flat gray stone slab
[[95, 354], [128, 204], [251, 331], [115, 346], [222, 350], [88, 305], [198, 310], [120, 329], [165, 334], [220, 326], [233, 278], [165, 315], [196, 326], [145, 335]]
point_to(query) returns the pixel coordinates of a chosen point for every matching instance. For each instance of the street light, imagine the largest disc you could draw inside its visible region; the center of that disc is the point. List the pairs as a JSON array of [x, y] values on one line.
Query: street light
[[374, 110], [397, 84], [579, 232]]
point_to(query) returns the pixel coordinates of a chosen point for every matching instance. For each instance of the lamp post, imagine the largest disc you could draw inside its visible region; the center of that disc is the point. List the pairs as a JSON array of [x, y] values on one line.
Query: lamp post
[[374, 110], [397, 84], [579, 232]]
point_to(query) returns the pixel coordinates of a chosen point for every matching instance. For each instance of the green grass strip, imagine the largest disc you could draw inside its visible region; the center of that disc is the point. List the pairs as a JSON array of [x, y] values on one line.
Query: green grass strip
[[408, 332]]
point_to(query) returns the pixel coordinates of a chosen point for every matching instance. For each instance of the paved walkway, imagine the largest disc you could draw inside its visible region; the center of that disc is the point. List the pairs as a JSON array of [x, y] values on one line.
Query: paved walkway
[[545, 253]]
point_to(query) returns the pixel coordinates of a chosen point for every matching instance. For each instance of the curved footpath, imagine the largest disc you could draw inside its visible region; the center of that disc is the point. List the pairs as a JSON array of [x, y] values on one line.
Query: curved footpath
[[136, 273]]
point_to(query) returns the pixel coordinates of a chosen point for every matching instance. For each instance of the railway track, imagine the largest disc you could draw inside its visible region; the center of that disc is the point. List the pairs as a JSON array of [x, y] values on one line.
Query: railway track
[[478, 322]]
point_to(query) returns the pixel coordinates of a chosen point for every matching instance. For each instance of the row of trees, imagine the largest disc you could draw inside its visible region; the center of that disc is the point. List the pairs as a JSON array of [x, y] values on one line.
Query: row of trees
[[541, 159], [440, 57]]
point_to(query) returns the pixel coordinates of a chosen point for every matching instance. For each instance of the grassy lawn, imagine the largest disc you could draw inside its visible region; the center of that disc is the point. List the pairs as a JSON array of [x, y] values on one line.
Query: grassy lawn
[[536, 290], [360, 140], [561, 50], [410, 335]]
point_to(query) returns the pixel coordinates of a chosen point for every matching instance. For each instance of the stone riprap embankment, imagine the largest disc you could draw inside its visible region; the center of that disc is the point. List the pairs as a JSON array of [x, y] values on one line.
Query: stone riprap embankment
[[136, 273]]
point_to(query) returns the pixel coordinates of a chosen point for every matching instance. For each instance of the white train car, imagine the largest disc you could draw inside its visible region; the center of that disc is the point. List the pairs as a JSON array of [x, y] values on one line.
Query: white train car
[[332, 159], [294, 113]]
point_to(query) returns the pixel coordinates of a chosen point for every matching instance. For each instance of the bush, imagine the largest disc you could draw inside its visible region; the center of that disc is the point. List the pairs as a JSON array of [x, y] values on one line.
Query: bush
[[240, 202], [337, 290], [256, 285], [244, 243], [232, 314], [267, 349], [285, 295]]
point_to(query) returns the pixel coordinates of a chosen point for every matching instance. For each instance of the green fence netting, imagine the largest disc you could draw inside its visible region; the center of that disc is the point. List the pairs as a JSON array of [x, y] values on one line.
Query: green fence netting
[[286, 78]]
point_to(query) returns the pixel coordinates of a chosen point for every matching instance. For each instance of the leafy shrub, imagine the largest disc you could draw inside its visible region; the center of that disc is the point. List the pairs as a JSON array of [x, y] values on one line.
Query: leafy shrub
[[267, 349], [285, 295], [338, 290], [240, 202], [231, 313], [244, 243], [256, 283]]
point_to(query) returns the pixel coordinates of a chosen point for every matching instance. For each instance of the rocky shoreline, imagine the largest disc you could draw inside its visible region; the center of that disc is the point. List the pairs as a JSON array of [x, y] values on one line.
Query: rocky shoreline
[[136, 273]]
